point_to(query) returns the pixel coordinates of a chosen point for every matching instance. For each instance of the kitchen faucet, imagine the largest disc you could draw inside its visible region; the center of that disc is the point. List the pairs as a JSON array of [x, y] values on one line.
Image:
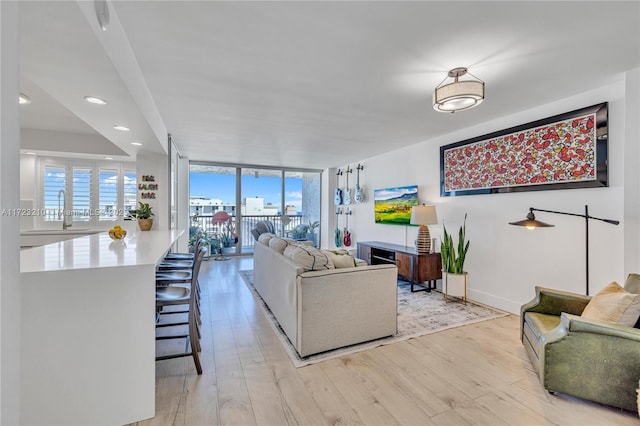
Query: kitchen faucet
[[61, 212]]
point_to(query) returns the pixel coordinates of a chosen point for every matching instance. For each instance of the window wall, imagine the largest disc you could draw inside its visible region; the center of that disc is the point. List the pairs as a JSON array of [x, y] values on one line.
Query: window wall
[[249, 194]]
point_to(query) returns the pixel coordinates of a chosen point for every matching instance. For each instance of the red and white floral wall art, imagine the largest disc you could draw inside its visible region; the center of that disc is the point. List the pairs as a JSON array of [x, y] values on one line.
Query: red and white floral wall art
[[566, 149]]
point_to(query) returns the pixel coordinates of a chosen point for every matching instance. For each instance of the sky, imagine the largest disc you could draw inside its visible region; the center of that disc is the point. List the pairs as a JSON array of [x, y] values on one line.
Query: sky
[[222, 187]]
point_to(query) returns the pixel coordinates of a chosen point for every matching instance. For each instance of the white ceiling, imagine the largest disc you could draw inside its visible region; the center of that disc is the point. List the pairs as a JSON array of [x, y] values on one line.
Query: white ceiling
[[314, 84]]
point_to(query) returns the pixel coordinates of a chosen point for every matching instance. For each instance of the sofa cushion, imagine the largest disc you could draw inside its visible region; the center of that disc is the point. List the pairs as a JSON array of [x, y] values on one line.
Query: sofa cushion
[[632, 285], [279, 244], [308, 257], [361, 262], [615, 305], [264, 238], [265, 226], [340, 258]]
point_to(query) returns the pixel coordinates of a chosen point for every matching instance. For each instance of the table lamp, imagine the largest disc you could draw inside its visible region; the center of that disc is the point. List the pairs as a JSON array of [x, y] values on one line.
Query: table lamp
[[423, 215]]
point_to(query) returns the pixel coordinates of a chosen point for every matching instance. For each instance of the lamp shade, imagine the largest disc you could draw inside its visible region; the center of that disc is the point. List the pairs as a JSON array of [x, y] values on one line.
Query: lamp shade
[[424, 215], [531, 222], [459, 94]]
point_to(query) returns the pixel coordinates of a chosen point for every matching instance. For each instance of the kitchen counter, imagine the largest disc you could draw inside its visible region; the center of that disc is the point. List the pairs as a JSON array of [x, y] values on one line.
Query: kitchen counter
[[98, 251], [88, 329]]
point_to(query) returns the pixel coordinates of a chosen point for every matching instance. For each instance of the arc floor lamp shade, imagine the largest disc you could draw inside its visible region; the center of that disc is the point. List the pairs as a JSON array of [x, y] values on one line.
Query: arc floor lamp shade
[[423, 215]]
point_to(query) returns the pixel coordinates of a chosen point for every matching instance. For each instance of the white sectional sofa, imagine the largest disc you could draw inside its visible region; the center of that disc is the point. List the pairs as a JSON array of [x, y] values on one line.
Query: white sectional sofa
[[328, 308]]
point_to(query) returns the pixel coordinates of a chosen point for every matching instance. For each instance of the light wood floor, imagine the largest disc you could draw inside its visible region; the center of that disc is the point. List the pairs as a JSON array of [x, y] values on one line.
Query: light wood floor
[[473, 375]]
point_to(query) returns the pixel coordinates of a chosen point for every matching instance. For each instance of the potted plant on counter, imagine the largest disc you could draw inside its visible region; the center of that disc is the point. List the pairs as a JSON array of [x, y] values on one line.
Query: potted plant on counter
[[144, 214], [455, 278]]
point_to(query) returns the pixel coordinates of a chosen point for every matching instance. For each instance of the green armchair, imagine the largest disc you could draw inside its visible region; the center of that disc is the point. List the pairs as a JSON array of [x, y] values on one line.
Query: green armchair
[[590, 359]]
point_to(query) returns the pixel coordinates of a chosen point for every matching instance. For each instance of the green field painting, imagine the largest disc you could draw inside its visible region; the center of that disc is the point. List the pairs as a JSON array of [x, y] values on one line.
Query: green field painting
[[393, 205]]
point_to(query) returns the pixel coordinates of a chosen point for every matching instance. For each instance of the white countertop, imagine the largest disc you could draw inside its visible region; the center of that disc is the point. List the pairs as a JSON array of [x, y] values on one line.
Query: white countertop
[[99, 251]]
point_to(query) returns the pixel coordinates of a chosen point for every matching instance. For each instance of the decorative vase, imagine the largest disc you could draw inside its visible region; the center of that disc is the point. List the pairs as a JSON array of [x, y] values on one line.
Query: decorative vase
[[145, 224], [455, 285]]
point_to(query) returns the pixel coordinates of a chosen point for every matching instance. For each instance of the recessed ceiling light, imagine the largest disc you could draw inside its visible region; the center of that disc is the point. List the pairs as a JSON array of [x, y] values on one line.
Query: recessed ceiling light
[[95, 100], [30, 153], [136, 143], [24, 99], [122, 128], [108, 158]]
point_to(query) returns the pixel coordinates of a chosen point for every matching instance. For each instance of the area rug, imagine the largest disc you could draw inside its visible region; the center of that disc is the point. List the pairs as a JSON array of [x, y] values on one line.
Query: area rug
[[419, 313]]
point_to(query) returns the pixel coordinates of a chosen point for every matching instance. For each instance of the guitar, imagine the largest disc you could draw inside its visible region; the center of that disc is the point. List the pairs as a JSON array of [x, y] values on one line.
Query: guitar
[[359, 196], [347, 192], [338, 236], [347, 235], [337, 198]]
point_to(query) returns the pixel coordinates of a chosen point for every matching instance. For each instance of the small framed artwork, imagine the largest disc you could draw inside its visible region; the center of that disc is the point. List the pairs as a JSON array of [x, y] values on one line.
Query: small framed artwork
[[565, 151]]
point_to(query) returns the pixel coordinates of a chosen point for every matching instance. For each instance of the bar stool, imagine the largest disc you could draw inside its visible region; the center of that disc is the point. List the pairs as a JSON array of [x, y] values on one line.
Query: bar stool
[[186, 278], [187, 256], [181, 295]]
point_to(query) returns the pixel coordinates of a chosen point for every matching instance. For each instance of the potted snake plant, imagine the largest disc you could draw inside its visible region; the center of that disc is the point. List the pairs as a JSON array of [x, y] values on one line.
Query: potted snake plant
[[455, 277]]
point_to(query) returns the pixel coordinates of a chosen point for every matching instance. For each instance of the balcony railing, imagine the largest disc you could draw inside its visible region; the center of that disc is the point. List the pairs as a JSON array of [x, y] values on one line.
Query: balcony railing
[[246, 240]]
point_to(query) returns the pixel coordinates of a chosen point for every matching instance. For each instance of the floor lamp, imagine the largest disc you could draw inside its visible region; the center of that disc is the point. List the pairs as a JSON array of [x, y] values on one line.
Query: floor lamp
[[531, 223]]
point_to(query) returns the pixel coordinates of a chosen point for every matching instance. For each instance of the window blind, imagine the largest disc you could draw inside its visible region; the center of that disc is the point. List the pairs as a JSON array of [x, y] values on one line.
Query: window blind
[[108, 194], [81, 193], [54, 180]]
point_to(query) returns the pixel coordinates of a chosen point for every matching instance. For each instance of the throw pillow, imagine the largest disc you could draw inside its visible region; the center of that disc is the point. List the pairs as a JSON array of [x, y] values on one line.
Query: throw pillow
[[279, 244], [340, 258], [309, 258], [613, 304], [264, 238]]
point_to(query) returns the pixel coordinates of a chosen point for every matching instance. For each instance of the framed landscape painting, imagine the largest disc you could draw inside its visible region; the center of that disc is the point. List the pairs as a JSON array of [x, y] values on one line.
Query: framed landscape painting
[[393, 205], [561, 152]]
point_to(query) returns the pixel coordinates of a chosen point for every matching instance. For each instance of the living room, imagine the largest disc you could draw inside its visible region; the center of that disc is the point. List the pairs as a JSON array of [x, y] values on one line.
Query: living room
[[398, 144]]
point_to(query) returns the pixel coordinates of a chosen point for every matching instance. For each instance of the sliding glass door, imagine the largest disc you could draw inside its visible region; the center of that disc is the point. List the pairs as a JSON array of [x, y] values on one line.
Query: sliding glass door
[[261, 191], [289, 199]]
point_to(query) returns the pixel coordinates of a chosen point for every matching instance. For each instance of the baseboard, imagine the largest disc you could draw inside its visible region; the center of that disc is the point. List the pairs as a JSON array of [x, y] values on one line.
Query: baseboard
[[495, 301]]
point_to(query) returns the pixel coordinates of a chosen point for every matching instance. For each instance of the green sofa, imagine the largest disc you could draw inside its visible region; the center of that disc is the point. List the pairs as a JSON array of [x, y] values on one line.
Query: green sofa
[[590, 359]]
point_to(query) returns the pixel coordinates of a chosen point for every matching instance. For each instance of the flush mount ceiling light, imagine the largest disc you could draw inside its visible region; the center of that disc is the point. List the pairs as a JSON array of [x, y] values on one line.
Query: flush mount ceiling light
[[95, 100], [24, 99], [121, 128], [459, 94], [136, 143]]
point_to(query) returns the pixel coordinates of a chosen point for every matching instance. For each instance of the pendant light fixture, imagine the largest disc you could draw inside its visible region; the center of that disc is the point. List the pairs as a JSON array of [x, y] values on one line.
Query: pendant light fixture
[[459, 94]]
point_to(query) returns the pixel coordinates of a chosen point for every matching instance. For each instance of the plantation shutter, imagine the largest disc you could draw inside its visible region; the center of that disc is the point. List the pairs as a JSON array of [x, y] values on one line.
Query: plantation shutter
[[108, 194], [81, 193], [55, 179], [130, 190]]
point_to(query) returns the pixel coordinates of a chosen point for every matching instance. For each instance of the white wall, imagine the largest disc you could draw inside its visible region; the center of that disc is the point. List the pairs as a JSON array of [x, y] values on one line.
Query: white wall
[[49, 140], [632, 173], [183, 219], [506, 262], [10, 290], [158, 166]]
